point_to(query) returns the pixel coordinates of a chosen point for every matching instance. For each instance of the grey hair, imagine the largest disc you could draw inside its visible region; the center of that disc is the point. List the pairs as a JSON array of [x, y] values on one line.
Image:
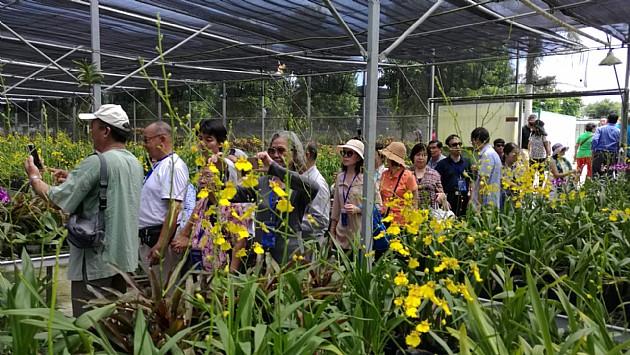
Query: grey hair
[[299, 159]]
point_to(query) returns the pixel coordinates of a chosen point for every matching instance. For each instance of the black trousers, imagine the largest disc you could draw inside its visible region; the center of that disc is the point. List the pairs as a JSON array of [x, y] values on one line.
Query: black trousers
[[458, 201], [81, 294], [601, 160]]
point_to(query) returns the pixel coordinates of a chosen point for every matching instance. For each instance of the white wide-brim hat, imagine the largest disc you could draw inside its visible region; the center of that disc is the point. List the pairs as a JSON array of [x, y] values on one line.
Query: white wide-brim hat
[[356, 145]]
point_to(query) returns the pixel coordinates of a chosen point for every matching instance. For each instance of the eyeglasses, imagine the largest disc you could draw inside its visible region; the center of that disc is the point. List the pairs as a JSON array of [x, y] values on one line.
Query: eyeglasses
[[147, 139], [273, 151], [347, 153], [457, 144]]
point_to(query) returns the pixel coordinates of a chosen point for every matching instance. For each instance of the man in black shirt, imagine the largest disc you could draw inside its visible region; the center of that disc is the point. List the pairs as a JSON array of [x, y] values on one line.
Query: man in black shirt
[[526, 131], [455, 173]]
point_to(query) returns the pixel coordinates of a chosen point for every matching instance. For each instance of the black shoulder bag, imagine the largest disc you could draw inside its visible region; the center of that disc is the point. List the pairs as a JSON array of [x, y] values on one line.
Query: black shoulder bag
[[85, 233]]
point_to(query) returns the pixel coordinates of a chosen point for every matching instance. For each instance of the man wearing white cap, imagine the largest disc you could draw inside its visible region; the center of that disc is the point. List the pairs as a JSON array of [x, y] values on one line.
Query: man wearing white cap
[[78, 193]]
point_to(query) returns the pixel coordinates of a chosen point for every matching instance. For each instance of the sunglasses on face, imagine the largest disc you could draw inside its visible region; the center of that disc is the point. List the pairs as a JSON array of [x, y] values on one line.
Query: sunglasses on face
[[457, 144], [347, 153], [499, 145], [273, 151]]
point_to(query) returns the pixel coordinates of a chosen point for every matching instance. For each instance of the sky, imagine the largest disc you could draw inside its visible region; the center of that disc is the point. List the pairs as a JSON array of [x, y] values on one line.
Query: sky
[[580, 72]]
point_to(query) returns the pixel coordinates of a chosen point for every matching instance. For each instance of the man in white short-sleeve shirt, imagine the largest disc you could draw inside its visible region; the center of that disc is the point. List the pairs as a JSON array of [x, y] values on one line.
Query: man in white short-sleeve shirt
[[164, 189]]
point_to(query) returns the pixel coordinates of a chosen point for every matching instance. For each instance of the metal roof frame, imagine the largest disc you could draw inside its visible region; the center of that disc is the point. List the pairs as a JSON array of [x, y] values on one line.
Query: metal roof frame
[[248, 38]]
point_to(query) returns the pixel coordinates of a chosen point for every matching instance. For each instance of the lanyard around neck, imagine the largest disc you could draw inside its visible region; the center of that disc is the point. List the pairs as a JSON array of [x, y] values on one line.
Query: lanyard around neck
[[155, 166], [347, 194]]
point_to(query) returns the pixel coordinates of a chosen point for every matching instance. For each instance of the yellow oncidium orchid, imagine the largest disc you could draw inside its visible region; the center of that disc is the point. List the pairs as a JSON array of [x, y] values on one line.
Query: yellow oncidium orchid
[[243, 164], [284, 205], [277, 189], [246, 214], [200, 160], [203, 193], [475, 270], [258, 249], [413, 339], [401, 279], [423, 327], [249, 181]]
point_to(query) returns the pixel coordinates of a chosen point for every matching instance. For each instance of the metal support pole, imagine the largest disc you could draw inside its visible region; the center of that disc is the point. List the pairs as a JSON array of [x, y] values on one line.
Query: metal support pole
[[345, 27], [374, 10], [190, 113], [309, 118], [363, 94], [410, 30], [40, 70], [516, 79], [28, 118], [74, 119], [430, 104], [57, 119], [263, 112], [224, 105], [135, 124], [37, 50], [624, 109], [96, 50], [15, 125]]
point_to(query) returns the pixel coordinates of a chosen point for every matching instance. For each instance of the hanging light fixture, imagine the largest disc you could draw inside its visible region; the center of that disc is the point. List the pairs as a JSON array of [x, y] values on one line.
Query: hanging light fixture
[[610, 59]]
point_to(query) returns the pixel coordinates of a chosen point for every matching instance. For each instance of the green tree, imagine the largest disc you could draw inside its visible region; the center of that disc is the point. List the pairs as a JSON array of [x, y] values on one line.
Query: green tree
[[602, 108], [571, 106]]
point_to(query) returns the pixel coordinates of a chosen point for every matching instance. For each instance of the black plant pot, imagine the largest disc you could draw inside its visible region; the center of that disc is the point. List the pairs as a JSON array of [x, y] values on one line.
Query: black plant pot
[[616, 295]]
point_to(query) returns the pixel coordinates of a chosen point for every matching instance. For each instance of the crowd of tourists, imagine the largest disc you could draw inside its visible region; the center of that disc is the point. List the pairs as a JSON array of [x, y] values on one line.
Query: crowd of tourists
[[159, 219]]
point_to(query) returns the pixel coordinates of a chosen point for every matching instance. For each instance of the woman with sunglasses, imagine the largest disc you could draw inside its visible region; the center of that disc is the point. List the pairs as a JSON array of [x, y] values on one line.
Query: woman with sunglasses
[[281, 163], [348, 195]]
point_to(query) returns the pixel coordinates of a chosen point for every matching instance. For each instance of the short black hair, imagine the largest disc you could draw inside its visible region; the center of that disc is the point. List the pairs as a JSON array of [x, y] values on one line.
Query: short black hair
[[481, 134], [213, 127], [613, 118], [439, 144], [417, 149], [311, 149], [118, 134], [509, 147], [590, 127], [498, 141], [450, 138]]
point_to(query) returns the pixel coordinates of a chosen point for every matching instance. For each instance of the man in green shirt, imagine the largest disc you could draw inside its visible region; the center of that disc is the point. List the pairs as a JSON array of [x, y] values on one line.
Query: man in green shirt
[[78, 192], [583, 150]]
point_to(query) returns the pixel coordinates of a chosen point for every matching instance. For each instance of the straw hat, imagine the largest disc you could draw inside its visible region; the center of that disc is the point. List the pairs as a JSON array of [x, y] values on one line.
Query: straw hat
[[395, 151], [354, 144], [558, 147]]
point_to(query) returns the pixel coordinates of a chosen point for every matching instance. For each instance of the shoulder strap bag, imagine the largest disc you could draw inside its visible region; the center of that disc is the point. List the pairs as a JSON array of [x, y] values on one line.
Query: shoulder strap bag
[[86, 233]]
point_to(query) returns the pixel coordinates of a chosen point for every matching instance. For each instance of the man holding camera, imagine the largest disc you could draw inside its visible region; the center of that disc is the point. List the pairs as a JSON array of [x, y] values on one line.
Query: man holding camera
[[78, 193]]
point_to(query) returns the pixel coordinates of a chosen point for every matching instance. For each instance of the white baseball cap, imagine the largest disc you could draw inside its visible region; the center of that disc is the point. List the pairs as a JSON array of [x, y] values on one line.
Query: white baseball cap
[[110, 114]]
